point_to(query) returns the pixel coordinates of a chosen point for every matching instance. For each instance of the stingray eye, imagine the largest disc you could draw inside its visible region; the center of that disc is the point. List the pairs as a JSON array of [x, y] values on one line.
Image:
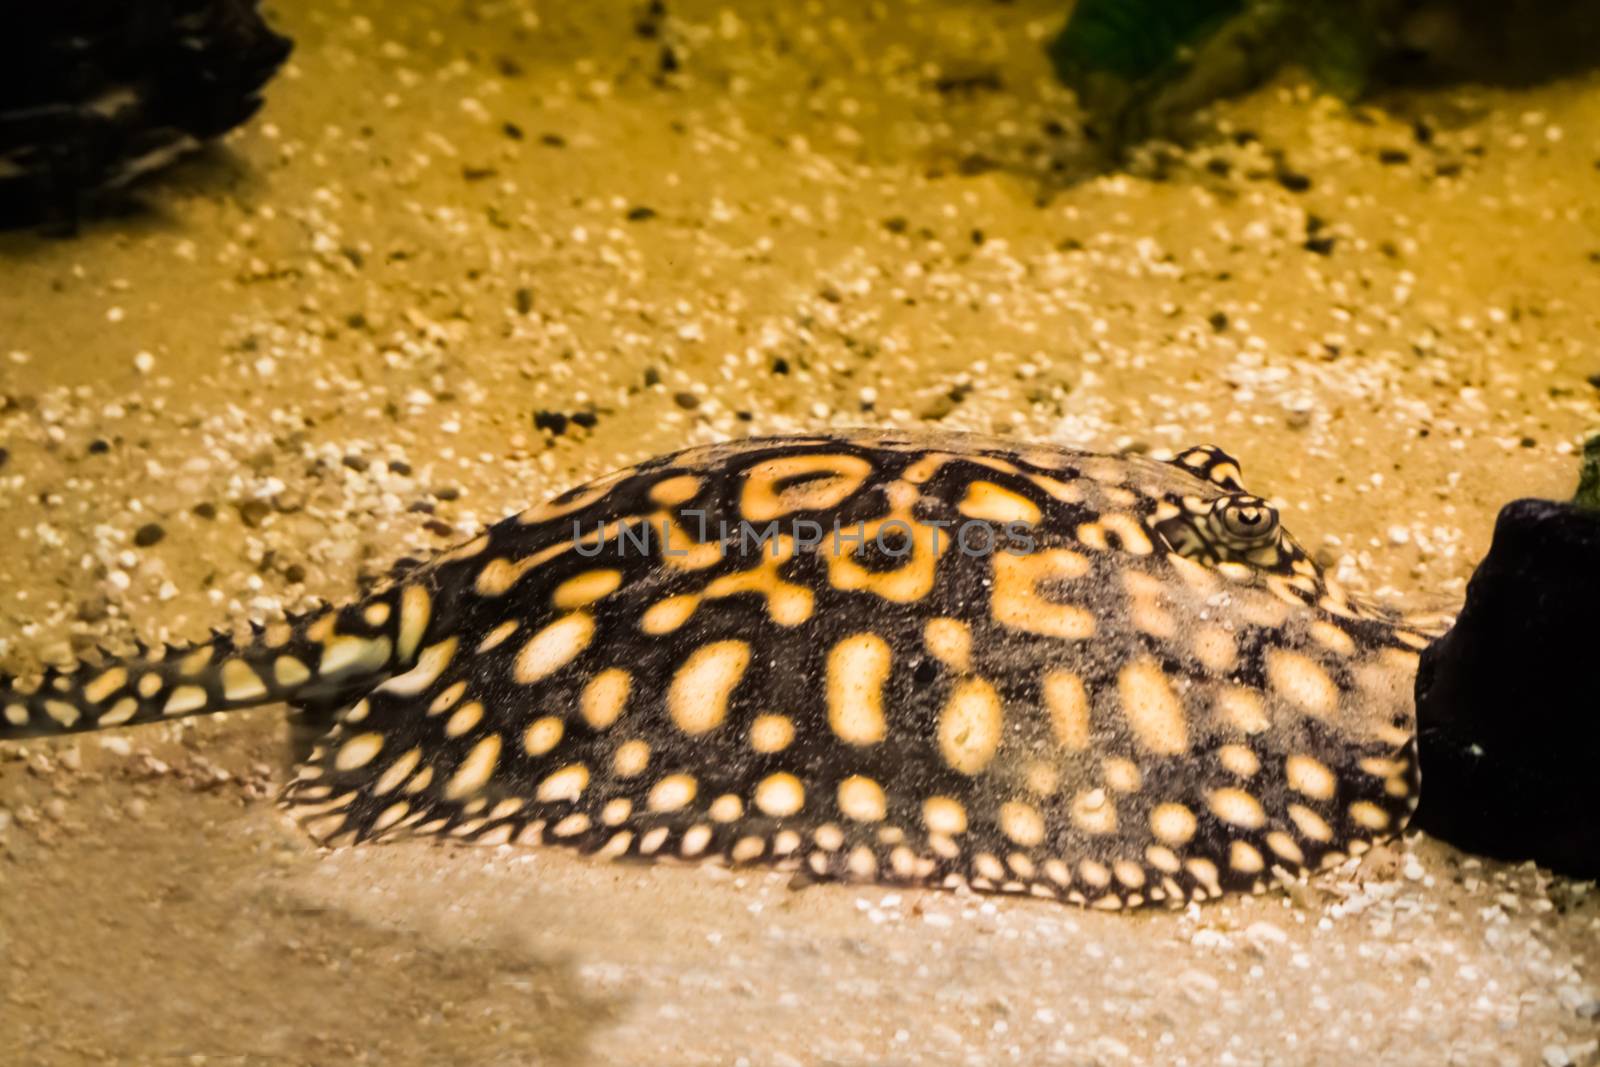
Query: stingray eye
[[1248, 519]]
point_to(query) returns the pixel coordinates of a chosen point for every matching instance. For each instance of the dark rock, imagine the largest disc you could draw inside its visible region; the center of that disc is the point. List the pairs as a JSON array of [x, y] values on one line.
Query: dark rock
[[554, 421], [254, 512], [1294, 181], [149, 534], [1508, 702]]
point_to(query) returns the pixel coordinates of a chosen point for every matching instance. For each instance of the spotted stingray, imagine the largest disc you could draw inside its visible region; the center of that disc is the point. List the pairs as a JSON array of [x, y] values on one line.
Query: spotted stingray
[[908, 658]]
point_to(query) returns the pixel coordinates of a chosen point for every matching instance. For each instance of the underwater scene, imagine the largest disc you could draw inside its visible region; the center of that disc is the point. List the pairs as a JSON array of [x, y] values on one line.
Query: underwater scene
[[706, 532]]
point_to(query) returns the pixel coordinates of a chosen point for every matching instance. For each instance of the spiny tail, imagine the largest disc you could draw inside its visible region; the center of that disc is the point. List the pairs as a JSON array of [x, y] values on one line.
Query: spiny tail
[[316, 659]]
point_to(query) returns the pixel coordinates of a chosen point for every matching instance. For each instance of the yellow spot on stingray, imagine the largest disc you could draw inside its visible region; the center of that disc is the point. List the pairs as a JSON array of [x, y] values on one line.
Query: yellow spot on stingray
[[1302, 682], [196, 661], [184, 698], [1066, 492], [448, 698], [150, 684], [464, 719], [498, 576], [1205, 872], [576, 500], [917, 544], [1163, 859], [673, 793], [1018, 604], [553, 647], [1094, 873], [1215, 648], [630, 759], [670, 492], [616, 812], [970, 726], [497, 636], [1332, 637], [1041, 777], [1310, 778], [1237, 807], [543, 735], [1283, 847], [62, 712], [286, 670], [431, 664], [1369, 815], [726, 808], [1152, 709], [1022, 823], [1238, 760], [1311, 825], [697, 698], [788, 484], [1245, 858], [950, 642], [771, 733], [861, 862], [1173, 824], [1068, 703], [695, 840], [1094, 812], [780, 795], [106, 684], [1122, 775], [858, 667], [397, 772], [665, 616], [566, 784], [988, 502], [586, 588], [375, 614], [788, 604], [120, 712], [476, 770], [416, 607], [605, 696], [389, 816], [944, 815], [1128, 531], [988, 868], [1128, 873], [1242, 709], [862, 799], [571, 825], [358, 751], [357, 655]]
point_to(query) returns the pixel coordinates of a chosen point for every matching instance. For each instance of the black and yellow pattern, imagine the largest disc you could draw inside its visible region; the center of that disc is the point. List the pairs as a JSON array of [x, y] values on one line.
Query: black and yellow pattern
[[875, 656]]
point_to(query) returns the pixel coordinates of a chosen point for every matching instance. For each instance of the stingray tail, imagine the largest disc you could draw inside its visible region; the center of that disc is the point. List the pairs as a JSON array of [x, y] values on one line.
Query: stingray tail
[[315, 658]]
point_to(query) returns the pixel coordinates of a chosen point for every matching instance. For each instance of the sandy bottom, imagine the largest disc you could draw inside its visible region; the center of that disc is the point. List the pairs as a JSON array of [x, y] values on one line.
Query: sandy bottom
[[471, 254]]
